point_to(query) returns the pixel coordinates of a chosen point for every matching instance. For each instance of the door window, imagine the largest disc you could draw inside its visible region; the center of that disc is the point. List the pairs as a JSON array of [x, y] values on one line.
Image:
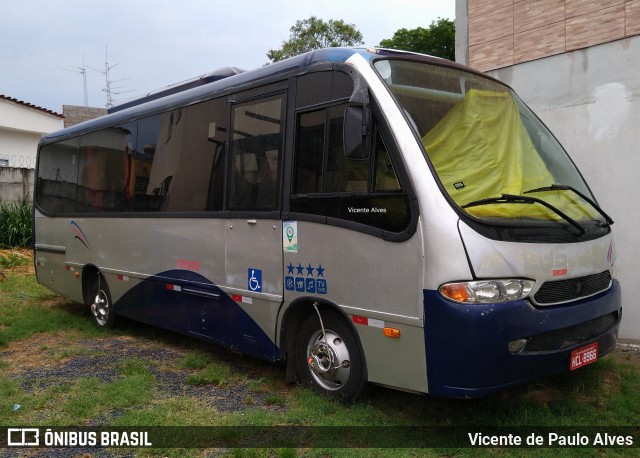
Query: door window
[[256, 145]]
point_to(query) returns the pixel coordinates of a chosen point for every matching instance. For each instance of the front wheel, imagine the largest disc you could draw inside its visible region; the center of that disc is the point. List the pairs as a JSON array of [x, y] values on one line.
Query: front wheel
[[331, 361], [100, 305]]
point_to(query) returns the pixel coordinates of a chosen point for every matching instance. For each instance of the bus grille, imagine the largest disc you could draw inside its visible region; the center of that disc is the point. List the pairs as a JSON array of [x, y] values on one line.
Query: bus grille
[[554, 292], [573, 335]]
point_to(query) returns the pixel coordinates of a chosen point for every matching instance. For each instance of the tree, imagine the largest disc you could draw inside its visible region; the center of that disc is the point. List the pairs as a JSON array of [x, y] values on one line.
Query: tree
[[313, 33], [439, 39]]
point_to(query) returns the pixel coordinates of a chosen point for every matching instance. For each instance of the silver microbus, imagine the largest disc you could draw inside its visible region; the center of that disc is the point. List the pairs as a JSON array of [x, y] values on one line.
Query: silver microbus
[[366, 216]]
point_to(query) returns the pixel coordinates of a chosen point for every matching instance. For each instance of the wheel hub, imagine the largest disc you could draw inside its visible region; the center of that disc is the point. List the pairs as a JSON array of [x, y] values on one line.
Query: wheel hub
[[100, 308], [328, 359]]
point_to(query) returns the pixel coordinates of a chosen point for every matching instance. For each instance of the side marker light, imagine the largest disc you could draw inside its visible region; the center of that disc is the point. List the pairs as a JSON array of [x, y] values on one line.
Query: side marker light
[[392, 332]]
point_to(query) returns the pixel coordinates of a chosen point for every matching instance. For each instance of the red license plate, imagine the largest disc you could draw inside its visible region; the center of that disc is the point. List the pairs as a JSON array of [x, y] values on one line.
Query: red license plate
[[583, 356]]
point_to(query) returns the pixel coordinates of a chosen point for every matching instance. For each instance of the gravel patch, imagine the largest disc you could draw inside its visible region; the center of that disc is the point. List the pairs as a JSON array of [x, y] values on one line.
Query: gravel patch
[[102, 358], [48, 360]]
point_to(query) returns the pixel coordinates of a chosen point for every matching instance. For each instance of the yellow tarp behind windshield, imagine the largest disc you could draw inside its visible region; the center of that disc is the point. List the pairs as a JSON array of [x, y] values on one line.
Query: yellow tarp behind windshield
[[481, 149]]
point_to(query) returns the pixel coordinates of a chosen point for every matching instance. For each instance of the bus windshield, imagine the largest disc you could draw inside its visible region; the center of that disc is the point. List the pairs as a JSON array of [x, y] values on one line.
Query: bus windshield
[[493, 156]]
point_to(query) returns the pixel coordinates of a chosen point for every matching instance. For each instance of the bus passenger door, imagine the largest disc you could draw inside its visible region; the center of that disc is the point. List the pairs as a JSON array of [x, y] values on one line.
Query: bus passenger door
[[254, 229]]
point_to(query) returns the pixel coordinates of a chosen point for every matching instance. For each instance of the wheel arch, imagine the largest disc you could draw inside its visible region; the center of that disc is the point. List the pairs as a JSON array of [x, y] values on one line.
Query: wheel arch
[[88, 270], [295, 314]]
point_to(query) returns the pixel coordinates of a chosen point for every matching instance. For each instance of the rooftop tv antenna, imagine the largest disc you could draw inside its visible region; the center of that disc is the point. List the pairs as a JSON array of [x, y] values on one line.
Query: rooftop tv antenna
[[83, 71], [109, 88]]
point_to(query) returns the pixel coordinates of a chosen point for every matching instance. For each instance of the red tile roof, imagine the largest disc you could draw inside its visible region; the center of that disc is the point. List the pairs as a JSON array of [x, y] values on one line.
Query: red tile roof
[[30, 105]]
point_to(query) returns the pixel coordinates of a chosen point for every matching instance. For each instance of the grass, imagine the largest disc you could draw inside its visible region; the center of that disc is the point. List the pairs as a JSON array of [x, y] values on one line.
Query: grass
[[43, 337], [28, 309], [213, 373], [13, 259]]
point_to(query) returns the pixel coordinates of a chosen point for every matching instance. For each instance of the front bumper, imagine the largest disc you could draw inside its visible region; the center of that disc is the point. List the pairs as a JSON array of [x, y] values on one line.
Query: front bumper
[[467, 345]]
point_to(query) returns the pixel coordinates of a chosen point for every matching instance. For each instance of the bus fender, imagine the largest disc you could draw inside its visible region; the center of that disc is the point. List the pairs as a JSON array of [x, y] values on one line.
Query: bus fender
[[294, 316]]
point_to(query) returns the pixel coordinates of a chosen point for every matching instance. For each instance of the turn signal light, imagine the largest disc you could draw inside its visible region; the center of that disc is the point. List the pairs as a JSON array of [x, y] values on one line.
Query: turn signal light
[[487, 291], [456, 292], [392, 332]]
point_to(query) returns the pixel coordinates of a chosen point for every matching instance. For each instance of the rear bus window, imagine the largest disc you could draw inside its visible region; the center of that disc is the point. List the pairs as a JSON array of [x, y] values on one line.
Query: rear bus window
[[58, 176]]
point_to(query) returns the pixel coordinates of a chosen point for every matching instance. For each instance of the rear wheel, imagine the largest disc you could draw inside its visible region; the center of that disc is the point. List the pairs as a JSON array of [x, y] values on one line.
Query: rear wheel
[[331, 361], [99, 302]]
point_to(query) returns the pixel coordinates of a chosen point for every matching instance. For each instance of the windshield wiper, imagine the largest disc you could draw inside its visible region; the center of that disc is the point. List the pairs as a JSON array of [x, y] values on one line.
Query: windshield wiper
[[513, 199], [562, 187]]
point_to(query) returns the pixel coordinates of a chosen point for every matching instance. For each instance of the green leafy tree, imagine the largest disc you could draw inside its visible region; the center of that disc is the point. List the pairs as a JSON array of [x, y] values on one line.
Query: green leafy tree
[[313, 33], [439, 39]]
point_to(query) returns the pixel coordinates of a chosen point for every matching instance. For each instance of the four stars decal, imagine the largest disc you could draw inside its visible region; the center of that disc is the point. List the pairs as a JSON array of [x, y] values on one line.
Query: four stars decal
[[300, 270], [310, 281]]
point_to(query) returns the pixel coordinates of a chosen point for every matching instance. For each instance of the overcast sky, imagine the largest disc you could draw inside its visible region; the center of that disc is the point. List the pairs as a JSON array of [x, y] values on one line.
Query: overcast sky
[[161, 42]]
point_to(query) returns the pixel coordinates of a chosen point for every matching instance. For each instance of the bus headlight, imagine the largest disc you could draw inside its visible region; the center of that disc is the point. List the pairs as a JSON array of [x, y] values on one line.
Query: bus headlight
[[487, 291]]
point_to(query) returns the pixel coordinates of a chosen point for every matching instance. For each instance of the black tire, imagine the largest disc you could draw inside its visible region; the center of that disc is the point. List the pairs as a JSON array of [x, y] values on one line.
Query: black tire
[[98, 299], [335, 367]]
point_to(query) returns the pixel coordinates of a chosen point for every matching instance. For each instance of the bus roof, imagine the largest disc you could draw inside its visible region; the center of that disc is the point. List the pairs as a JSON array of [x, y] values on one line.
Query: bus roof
[[207, 78]]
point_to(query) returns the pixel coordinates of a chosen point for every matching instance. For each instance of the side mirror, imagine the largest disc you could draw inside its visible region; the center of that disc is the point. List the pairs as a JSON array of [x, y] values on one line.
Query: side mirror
[[355, 134]]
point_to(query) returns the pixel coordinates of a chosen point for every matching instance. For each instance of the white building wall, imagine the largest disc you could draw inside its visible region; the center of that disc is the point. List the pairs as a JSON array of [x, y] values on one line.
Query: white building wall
[[19, 148], [17, 116], [590, 99], [21, 127]]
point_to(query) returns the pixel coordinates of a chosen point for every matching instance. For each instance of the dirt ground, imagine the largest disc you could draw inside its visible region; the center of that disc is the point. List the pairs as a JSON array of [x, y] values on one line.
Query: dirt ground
[[48, 359], [26, 255]]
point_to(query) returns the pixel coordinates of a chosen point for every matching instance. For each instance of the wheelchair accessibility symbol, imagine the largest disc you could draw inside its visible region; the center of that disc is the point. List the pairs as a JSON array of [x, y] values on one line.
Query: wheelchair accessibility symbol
[[255, 280]]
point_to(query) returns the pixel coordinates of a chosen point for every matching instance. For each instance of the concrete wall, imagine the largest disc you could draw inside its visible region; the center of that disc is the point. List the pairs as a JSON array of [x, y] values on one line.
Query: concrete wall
[[590, 99], [16, 183], [74, 114]]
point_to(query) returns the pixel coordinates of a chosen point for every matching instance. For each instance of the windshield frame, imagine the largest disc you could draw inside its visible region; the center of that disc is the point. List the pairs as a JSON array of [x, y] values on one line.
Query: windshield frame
[[521, 228]]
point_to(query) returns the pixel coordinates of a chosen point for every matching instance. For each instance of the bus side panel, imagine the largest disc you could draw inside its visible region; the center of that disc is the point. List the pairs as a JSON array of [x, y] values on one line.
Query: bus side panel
[[53, 242], [187, 302], [398, 363], [151, 301], [53, 272], [253, 266], [127, 253], [377, 283]]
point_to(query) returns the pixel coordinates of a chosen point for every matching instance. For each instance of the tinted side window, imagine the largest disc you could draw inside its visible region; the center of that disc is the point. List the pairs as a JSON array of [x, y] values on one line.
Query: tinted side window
[[255, 154], [179, 159], [365, 192], [322, 87], [321, 166], [385, 174], [58, 176], [105, 174], [189, 159], [310, 147], [153, 165], [216, 136], [170, 162], [343, 175]]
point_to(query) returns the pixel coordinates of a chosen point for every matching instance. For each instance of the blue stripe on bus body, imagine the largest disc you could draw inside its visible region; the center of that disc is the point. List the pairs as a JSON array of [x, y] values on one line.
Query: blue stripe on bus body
[[198, 308], [466, 345]]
